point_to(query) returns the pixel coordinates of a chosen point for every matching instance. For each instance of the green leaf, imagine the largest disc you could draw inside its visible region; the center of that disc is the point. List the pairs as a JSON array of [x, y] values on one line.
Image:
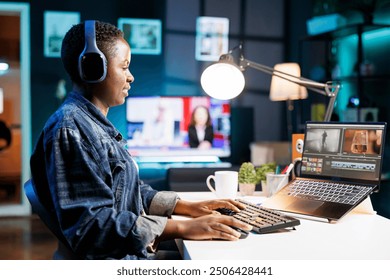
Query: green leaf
[[247, 173], [263, 169]]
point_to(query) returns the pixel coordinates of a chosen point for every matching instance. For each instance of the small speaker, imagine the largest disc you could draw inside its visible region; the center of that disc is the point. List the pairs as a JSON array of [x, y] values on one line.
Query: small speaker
[[297, 150], [297, 146]]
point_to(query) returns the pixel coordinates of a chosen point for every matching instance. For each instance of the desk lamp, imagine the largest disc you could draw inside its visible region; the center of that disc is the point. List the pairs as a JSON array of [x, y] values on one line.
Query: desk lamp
[[225, 79], [284, 90], [4, 67]]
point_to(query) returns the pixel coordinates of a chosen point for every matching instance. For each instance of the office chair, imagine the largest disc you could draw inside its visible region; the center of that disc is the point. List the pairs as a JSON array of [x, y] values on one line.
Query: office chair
[[48, 217], [5, 134]]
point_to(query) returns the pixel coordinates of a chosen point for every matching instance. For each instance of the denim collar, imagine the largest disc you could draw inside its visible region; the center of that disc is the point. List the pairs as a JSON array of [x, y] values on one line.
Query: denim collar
[[91, 110]]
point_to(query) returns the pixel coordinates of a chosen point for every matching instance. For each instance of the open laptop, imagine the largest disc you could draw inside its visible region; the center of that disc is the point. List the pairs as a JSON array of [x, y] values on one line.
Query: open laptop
[[344, 156]]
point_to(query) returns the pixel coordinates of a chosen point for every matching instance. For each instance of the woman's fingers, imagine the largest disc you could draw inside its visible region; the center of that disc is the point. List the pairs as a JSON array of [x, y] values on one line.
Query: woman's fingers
[[223, 227], [227, 203], [211, 227], [225, 232]]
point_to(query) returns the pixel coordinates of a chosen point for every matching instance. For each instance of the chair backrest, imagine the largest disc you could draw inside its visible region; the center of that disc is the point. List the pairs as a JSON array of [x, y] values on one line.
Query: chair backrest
[[44, 214], [5, 134]]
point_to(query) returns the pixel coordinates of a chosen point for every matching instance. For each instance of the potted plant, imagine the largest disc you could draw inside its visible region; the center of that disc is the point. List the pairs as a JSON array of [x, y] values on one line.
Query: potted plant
[[263, 169], [247, 178]]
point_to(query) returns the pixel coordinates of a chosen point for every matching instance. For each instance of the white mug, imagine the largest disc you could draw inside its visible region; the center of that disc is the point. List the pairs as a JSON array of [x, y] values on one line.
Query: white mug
[[226, 183]]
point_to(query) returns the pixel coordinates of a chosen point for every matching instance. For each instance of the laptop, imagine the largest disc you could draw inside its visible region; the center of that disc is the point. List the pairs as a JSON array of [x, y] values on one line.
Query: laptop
[[341, 166]]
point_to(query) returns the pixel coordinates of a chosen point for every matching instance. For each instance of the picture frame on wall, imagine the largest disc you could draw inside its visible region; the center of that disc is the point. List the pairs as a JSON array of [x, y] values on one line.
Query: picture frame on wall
[[212, 38], [143, 35], [56, 24]]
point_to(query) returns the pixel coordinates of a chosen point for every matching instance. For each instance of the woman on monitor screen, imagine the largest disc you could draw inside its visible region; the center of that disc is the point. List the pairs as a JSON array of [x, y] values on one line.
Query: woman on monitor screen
[[200, 130], [84, 175]]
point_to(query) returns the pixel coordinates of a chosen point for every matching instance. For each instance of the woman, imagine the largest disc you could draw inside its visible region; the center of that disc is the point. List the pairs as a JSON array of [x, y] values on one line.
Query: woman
[[200, 130], [83, 172]]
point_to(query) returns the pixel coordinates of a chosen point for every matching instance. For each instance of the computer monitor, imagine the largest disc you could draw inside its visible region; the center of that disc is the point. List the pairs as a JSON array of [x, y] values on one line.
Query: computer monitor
[[158, 128]]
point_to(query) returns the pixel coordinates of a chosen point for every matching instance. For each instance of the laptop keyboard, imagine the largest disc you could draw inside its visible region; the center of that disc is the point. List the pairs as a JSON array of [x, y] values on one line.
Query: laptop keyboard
[[262, 219], [327, 191]]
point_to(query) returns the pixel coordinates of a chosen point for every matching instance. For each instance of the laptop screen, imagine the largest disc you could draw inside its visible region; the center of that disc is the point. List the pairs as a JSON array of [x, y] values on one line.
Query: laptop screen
[[352, 151]]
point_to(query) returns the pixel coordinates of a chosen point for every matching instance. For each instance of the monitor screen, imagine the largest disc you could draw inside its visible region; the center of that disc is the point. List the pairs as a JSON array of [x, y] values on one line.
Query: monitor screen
[[168, 126]]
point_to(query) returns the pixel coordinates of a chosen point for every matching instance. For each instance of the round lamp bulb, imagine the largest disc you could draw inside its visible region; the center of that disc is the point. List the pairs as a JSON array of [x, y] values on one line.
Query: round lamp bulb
[[4, 66], [222, 81]]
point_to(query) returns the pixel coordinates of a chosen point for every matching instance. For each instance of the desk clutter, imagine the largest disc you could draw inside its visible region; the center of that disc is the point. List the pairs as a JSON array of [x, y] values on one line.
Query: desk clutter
[[262, 219]]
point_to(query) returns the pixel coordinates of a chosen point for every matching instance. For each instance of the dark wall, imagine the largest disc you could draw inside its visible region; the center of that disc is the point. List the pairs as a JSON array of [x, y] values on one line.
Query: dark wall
[[46, 72], [151, 71], [148, 70]]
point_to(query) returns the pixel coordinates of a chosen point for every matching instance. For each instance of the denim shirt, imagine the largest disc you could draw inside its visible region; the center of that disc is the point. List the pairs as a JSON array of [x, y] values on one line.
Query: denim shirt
[[83, 172]]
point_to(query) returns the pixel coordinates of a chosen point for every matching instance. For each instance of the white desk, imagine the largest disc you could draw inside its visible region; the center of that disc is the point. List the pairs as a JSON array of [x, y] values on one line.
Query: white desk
[[356, 236]]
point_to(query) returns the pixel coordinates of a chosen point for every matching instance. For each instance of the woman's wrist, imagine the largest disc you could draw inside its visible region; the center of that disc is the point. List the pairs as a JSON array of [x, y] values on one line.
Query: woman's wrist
[[173, 229], [182, 207]]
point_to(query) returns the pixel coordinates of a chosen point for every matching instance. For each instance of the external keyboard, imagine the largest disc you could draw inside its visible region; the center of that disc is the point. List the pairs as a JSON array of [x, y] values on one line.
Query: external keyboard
[[262, 219]]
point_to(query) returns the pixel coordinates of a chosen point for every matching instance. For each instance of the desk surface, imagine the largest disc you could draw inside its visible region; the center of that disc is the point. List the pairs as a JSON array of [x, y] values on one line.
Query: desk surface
[[355, 236]]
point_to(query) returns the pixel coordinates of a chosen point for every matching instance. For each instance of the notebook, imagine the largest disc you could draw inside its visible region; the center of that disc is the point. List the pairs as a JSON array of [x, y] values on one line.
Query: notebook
[[341, 166]]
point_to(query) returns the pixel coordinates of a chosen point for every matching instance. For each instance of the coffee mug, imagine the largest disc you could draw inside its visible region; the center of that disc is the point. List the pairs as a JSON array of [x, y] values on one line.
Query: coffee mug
[[226, 183]]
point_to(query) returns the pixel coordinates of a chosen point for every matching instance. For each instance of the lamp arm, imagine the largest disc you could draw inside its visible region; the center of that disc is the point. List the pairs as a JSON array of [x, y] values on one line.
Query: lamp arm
[[309, 84], [244, 63], [332, 99], [329, 89]]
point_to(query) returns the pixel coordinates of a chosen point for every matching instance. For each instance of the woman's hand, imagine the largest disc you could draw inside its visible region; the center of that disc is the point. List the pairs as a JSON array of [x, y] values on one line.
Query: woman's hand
[[201, 208], [205, 228], [204, 145]]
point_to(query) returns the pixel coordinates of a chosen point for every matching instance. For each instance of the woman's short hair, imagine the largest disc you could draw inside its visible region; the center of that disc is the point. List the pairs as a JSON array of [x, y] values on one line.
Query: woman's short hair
[[74, 42]]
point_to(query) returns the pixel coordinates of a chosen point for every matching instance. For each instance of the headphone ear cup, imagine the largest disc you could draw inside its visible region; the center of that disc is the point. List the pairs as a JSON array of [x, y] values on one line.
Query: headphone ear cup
[[92, 62], [297, 167], [93, 67]]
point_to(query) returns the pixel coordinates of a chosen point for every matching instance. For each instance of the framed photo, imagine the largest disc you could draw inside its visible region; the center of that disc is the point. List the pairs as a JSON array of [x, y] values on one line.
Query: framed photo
[[143, 35], [212, 38], [56, 24]]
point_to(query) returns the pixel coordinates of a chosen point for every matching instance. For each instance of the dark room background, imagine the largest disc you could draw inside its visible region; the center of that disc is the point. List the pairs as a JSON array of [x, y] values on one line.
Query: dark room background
[[271, 32], [260, 25]]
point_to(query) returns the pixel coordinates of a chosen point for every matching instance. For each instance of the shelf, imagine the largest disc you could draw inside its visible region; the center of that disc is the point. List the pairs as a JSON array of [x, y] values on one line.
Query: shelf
[[369, 89], [345, 31], [372, 78]]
